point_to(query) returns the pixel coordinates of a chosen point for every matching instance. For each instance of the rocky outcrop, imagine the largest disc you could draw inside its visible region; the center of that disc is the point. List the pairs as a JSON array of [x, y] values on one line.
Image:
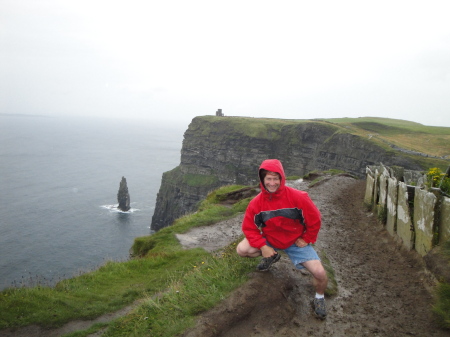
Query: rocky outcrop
[[223, 151], [123, 197]]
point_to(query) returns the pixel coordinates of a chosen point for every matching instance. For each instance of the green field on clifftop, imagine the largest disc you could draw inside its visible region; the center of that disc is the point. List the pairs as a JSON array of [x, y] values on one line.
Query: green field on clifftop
[[430, 140]]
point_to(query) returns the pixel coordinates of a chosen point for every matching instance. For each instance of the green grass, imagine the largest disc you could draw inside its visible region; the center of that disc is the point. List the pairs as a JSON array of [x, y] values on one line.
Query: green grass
[[205, 285], [264, 128], [390, 122], [446, 249], [219, 195], [118, 284], [316, 181], [432, 140], [441, 306], [332, 288], [107, 289], [334, 172], [197, 180], [380, 128], [382, 213]]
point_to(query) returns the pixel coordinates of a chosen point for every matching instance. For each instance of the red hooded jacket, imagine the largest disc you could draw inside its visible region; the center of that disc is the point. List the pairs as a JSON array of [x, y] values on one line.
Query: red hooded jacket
[[269, 216]]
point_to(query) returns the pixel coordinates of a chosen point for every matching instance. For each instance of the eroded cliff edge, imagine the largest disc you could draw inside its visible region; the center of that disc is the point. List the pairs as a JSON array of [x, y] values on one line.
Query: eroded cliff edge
[[219, 151]]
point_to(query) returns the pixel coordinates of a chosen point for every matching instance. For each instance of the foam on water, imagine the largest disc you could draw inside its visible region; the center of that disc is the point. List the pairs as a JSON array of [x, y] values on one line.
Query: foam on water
[[115, 209]]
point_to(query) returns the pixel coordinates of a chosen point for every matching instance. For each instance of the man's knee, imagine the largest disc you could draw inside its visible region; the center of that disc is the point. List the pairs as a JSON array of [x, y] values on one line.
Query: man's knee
[[321, 274], [239, 250], [316, 268], [245, 250]]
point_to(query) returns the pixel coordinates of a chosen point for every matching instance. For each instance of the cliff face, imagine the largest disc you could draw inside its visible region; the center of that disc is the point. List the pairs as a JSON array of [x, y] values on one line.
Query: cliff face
[[220, 151]]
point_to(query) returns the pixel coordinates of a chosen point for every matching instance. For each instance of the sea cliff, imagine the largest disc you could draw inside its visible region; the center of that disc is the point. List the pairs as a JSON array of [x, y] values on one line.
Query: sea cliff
[[219, 151]]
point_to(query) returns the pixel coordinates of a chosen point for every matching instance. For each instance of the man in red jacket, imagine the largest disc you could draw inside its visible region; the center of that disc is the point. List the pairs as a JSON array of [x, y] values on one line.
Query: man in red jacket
[[283, 218]]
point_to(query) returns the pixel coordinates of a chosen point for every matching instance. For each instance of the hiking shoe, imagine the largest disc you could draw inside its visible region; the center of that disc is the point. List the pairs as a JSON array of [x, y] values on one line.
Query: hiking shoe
[[319, 308], [266, 262]]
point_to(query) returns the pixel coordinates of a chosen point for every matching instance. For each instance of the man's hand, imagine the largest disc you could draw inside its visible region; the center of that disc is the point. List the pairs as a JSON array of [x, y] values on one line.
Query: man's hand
[[300, 243], [267, 251]]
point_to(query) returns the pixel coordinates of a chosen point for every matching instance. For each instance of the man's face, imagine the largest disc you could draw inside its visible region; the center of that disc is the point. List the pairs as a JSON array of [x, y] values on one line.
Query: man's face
[[272, 182]]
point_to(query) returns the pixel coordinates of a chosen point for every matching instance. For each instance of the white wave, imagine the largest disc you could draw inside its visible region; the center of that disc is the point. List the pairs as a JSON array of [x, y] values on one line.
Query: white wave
[[115, 209]]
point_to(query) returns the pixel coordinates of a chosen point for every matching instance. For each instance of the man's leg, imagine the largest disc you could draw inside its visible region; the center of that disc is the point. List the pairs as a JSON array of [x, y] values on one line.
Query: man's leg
[[319, 274], [245, 250], [320, 282]]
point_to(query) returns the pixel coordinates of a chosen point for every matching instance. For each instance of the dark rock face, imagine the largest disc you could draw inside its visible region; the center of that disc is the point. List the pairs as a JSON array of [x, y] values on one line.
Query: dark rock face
[[123, 197], [224, 151]]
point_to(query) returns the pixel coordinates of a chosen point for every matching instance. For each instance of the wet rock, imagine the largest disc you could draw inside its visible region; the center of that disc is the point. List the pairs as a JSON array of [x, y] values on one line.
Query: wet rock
[[123, 197]]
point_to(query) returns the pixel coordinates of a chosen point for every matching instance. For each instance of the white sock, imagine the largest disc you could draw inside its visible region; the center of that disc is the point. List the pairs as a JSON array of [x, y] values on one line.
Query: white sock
[[320, 296]]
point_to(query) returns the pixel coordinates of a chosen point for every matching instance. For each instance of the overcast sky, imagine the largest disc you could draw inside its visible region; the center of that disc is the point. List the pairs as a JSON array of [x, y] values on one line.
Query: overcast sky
[[180, 59]]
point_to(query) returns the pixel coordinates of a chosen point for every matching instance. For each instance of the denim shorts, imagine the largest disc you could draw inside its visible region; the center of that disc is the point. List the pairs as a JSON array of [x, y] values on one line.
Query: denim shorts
[[299, 255]]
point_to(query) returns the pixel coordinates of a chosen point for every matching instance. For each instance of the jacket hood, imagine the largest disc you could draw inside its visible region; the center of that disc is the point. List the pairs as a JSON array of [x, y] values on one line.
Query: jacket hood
[[273, 165]]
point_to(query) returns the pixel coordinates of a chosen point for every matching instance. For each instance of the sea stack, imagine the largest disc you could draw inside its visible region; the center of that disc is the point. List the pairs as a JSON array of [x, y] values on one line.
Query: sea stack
[[123, 197]]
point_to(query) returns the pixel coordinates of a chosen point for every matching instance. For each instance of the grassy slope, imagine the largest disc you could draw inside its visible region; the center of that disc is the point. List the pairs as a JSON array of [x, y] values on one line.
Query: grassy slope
[[431, 140], [163, 266]]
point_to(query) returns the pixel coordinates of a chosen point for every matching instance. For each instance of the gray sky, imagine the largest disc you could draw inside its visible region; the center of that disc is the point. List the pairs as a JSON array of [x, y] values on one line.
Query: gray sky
[[181, 59]]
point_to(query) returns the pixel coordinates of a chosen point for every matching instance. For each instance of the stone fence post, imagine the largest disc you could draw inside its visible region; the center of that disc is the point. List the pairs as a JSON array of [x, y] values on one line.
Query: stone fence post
[[417, 217]]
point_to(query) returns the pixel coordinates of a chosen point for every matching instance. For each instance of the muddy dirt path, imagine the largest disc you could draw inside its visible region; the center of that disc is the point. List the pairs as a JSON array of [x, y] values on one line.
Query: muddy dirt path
[[383, 290]]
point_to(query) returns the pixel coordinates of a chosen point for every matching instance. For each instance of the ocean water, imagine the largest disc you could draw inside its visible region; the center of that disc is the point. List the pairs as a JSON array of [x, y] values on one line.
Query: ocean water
[[59, 179]]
